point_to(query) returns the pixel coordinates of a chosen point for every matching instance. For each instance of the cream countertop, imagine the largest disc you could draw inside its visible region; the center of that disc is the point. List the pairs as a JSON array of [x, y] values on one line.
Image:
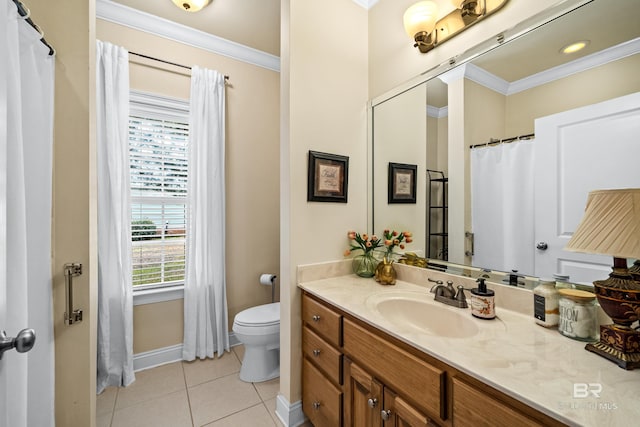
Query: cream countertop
[[535, 365]]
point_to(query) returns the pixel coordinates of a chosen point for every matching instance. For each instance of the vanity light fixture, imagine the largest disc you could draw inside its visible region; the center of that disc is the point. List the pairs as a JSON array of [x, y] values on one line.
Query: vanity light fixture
[[574, 47], [422, 24], [191, 5], [611, 226]]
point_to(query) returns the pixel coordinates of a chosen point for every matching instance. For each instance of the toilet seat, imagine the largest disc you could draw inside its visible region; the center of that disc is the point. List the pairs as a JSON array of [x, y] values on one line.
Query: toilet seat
[[259, 320]]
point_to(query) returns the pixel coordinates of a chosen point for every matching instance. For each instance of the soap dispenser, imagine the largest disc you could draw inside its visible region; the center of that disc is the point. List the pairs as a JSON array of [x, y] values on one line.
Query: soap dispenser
[[482, 301]]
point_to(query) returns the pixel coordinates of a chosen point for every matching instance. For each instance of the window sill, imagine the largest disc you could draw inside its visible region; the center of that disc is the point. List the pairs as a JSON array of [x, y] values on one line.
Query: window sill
[[151, 296]]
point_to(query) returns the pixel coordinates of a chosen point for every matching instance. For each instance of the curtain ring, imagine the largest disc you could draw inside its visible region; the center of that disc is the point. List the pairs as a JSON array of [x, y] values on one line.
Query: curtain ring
[[25, 8], [39, 30]]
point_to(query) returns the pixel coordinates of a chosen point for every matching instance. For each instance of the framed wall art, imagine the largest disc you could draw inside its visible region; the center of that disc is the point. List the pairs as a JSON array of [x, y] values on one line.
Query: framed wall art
[[327, 179], [402, 183]]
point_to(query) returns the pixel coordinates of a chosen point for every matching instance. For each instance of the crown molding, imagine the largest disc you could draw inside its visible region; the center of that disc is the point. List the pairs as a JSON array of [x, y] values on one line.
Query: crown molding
[[108, 10], [367, 4], [597, 59], [436, 112], [497, 84]]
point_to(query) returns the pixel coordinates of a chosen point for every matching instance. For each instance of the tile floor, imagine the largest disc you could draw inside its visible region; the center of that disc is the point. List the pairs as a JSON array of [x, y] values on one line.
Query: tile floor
[[200, 393]]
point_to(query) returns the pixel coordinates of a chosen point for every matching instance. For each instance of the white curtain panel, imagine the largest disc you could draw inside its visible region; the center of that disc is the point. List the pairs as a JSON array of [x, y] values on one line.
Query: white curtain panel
[[205, 302], [115, 293], [502, 203], [26, 129]]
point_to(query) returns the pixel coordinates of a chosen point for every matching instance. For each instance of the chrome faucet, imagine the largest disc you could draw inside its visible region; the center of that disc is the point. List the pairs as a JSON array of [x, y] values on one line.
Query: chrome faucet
[[447, 294]]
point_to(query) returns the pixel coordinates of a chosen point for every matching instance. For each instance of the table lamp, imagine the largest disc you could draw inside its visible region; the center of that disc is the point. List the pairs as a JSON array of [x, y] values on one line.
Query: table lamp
[[611, 226]]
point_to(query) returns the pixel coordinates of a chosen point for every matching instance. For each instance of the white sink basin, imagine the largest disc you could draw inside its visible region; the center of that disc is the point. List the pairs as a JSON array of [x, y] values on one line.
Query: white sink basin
[[417, 311]]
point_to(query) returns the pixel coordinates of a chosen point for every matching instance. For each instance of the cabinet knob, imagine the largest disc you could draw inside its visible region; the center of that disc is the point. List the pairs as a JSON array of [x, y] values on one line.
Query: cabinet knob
[[385, 415], [316, 318], [316, 352], [542, 246], [373, 402], [316, 405]]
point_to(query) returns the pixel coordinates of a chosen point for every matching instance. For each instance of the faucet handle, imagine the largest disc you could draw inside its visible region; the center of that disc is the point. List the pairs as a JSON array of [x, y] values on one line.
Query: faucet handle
[[461, 297], [434, 287]]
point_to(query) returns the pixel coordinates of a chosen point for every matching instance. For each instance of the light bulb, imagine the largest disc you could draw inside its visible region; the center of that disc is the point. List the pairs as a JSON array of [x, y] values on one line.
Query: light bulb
[[421, 17]]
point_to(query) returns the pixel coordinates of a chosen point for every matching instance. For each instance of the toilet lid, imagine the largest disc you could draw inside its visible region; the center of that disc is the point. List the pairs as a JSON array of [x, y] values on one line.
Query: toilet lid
[[262, 315]]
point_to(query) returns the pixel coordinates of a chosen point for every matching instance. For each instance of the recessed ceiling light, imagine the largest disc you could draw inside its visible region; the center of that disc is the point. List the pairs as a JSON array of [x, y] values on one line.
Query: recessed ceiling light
[[574, 47]]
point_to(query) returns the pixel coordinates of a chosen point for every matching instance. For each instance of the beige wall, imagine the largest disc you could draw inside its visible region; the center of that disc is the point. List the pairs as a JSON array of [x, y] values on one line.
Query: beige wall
[[252, 165], [324, 90], [400, 136], [70, 29], [598, 84]]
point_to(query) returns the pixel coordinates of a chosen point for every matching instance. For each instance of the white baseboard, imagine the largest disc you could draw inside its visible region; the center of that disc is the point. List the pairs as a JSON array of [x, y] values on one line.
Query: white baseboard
[[289, 414], [162, 356]]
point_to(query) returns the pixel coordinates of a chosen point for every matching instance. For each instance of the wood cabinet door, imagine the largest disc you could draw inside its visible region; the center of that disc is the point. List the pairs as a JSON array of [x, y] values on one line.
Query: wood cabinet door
[[399, 413], [363, 397]]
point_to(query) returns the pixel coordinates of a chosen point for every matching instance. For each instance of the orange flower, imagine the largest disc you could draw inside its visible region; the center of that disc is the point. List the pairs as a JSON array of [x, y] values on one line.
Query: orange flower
[[401, 246], [407, 234], [409, 240], [368, 244], [395, 233], [396, 241], [351, 235], [365, 237], [347, 252], [388, 242], [374, 238]]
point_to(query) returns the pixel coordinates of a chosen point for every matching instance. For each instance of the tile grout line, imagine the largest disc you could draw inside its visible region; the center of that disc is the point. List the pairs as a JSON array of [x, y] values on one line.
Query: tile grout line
[[186, 389]]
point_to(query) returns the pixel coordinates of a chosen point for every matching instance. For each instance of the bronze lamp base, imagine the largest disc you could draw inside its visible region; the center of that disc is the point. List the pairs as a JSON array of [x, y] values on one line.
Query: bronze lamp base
[[619, 297], [620, 345]]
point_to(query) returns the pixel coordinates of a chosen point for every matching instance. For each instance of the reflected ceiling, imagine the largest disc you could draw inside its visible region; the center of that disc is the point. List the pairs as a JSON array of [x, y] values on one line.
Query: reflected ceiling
[[604, 23], [253, 23]]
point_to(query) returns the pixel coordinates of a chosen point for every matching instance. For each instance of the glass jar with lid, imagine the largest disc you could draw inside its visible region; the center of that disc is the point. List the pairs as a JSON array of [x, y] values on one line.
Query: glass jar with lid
[[578, 315]]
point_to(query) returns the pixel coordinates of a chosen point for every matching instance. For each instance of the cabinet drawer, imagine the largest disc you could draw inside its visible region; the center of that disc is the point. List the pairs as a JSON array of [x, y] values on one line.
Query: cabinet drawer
[[403, 371], [321, 400], [325, 357], [324, 321], [472, 407]]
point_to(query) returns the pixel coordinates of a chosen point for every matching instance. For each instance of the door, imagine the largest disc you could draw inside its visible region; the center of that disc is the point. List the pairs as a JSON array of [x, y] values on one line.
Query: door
[[398, 412], [363, 397], [577, 151]]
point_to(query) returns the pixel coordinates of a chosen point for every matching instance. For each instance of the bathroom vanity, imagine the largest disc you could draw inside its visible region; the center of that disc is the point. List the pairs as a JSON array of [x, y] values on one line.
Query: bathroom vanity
[[391, 354]]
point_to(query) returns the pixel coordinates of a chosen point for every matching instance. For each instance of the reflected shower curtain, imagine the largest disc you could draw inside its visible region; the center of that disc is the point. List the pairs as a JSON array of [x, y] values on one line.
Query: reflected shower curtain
[[206, 328], [502, 203], [115, 292], [26, 142]]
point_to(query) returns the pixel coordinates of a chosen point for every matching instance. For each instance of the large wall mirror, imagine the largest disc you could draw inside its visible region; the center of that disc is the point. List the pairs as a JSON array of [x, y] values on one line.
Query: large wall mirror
[[576, 114]]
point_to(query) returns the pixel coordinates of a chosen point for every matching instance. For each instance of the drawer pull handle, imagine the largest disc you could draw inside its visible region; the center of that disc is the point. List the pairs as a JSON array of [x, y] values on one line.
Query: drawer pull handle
[[372, 402], [316, 352], [316, 318], [385, 415], [316, 405]]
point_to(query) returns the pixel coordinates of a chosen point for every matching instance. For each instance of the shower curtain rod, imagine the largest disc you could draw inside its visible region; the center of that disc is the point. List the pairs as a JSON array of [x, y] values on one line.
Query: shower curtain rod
[[493, 141], [25, 13], [164, 61]]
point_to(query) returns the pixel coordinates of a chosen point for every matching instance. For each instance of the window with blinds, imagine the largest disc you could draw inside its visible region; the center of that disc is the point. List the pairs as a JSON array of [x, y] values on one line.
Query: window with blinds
[[158, 138]]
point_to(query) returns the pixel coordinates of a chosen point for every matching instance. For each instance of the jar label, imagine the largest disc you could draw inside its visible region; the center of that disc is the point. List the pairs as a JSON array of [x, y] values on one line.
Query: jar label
[[539, 307]]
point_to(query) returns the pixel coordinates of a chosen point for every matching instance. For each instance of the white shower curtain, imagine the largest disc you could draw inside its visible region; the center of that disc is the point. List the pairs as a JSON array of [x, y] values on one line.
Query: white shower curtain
[[205, 302], [115, 293], [26, 129], [502, 200]]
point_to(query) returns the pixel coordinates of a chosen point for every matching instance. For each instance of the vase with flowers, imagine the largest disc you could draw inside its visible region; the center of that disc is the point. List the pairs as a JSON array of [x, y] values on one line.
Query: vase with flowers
[[364, 264], [385, 273]]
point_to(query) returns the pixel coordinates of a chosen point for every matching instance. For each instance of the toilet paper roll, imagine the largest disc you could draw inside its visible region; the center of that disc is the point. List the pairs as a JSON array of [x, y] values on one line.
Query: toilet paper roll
[[267, 279]]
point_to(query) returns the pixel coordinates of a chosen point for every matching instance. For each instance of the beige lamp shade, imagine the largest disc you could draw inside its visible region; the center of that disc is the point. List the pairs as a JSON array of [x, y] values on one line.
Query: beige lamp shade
[[421, 17], [191, 5], [611, 224]]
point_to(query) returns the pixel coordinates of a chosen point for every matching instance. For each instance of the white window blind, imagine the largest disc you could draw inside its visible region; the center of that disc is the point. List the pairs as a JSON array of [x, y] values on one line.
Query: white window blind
[[158, 138]]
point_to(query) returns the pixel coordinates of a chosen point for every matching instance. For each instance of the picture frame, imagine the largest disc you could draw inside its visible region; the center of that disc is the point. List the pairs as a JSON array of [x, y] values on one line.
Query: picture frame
[[402, 183], [327, 177]]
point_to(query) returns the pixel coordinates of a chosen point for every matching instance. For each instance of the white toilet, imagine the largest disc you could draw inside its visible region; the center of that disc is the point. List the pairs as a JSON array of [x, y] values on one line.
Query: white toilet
[[258, 328]]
